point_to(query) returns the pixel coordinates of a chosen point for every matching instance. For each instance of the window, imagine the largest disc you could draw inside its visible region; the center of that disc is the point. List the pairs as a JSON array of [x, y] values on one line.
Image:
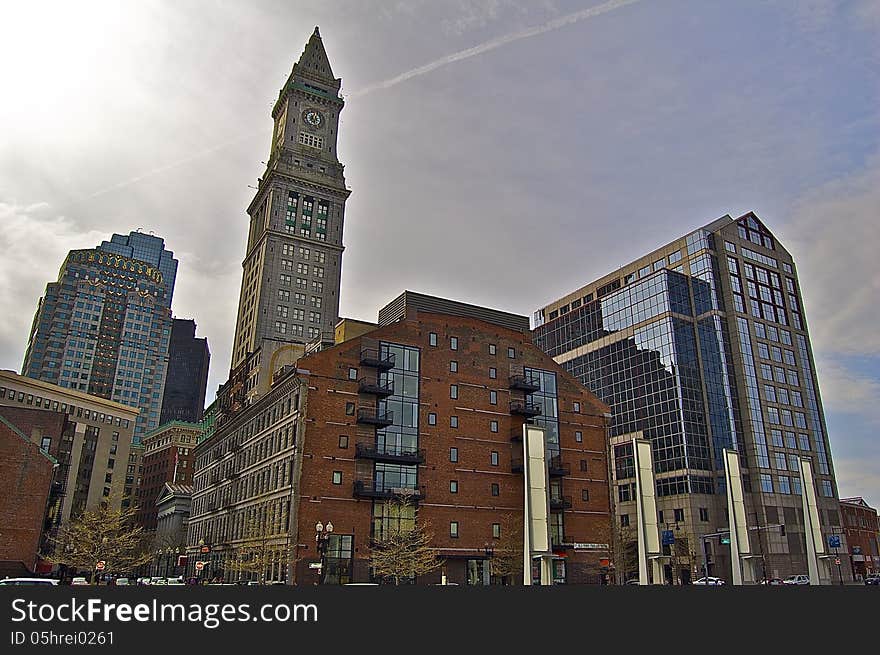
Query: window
[[583, 465], [766, 483], [578, 436], [311, 140], [493, 458], [349, 409], [704, 514], [453, 366], [46, 443], [352, 374], [453, 421], [343, 441], [453, 529], [281, 327], [493, 426], [337, 477], [678, 515], [453, 391], [453, 454], [453, 486], [495, 489], [432, 339], [453, 343], [432, 419], [496, 531], [493, 397], [624, 520], [492, 349], [585, 495], [284, 295], [511, 353]]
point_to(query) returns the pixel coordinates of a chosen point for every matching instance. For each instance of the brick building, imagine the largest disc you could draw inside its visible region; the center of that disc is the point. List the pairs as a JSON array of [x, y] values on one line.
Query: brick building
[[26, 474], [432, 402], [860, 524], [93, 448], [168, 457]]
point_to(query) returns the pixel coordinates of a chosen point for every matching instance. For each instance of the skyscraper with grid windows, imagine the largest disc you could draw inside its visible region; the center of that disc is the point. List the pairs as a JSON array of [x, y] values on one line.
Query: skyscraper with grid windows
[[698, 346], [104, 326], [290, 282]]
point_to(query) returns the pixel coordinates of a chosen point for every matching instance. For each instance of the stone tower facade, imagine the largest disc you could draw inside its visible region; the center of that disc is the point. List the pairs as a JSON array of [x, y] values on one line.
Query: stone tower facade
[[291, 270]]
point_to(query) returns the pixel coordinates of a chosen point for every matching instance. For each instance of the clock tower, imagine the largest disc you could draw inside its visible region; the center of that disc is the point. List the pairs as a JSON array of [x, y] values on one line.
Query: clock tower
[[290, 282]]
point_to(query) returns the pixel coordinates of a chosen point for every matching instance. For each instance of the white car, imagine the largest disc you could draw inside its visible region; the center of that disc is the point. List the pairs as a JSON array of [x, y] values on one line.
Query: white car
[[79, 581], [122, 582], [709, 581], [797, 579], [20, 582]]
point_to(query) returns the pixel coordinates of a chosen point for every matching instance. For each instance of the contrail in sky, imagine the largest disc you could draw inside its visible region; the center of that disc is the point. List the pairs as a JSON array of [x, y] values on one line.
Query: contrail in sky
[[492, 44], [554, 24]]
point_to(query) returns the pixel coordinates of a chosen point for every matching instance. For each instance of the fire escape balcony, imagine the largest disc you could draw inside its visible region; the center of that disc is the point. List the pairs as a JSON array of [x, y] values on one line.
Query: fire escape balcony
[[368, 489], [373, 358], [524, 383], [560, 502], [371, 416], [522, 408], [387, 453], [376, 387]]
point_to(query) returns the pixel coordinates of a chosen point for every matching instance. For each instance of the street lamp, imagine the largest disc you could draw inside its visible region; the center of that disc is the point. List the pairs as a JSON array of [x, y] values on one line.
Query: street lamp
[[322, 537], [489, 549]]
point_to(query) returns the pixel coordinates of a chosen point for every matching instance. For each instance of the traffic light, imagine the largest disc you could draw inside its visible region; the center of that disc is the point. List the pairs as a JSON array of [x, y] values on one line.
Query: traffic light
[[782, 530]]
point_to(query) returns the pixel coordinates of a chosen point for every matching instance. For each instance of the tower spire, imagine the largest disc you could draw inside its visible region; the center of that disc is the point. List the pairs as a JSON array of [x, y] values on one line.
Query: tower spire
[[314, 59]]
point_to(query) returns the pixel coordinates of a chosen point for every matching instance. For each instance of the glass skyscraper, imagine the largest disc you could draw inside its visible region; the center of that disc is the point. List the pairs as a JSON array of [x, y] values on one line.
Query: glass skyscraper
[[104, 326], [699, 346]]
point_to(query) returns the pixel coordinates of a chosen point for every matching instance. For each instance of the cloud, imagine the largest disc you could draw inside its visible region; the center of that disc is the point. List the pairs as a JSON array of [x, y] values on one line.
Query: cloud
[[34, 242]]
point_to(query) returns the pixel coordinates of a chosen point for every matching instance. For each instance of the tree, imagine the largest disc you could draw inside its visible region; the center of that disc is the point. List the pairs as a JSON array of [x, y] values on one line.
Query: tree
[[507, 554], [402, 549], [103, 534]]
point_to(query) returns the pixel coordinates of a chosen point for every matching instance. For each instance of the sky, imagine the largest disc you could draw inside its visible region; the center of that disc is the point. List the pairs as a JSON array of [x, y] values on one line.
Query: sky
[[499, 152]]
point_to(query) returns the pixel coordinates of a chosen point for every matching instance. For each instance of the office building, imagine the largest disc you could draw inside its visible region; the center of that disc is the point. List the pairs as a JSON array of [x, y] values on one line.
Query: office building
[[103, 327], [187, 377], [698, 346], [89, 439], [290, 282], [167, 459], [430, 404]]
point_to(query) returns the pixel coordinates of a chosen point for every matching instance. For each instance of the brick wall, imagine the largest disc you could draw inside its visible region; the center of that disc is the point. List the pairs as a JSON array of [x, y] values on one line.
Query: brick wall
[[473, 506], [25, 479]]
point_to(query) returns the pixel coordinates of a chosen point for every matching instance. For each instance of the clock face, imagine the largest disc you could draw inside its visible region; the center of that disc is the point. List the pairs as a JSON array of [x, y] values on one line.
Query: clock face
[[313, 118]]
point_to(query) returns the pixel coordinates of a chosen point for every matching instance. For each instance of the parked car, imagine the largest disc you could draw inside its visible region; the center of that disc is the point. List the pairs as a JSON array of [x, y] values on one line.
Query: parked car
[[709, 581], [143, 582], [79, 581], [21, 582], [632, 581], [873, 579], [175, 581], [797, 579], [772, 581], [121, 582], [158, 581]]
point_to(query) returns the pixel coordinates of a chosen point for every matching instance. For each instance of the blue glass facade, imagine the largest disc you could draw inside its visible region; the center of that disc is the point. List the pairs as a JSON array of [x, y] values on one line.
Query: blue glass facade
[[104, 327], [660, 358]]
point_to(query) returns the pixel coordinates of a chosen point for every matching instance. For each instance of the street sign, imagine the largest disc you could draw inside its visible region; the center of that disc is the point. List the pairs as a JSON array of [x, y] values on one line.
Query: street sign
[[315, 565], [725, 539], [587, 546], [206, 549], [837, 561], [200, 566], [834, 541], [668, 537], [99, 566]]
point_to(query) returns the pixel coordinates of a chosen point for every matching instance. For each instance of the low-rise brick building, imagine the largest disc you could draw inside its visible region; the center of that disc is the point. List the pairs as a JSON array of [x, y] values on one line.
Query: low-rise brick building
[[431, 404], [26, 474], [860, 524], [167, 458]]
